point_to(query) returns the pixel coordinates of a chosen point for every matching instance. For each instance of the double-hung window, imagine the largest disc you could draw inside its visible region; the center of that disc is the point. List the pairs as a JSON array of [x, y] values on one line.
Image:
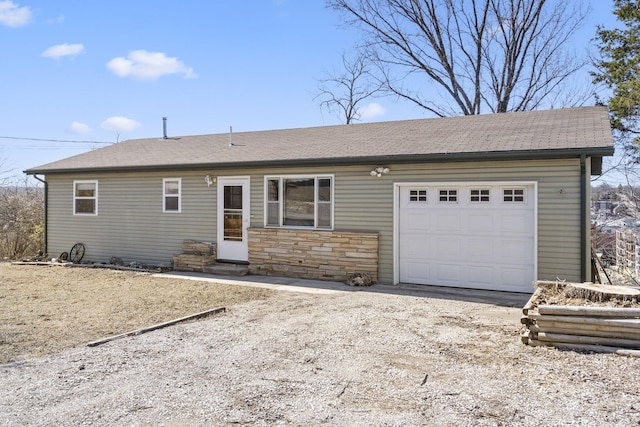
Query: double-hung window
[[85, 197], [171, 194], [299, 201]]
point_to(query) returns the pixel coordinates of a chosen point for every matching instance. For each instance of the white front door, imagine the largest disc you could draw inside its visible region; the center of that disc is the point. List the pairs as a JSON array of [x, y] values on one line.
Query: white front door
[[233, 218]]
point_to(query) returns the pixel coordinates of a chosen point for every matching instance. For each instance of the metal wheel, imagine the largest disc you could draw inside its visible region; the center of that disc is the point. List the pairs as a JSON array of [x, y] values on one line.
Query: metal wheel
[[76, 253]]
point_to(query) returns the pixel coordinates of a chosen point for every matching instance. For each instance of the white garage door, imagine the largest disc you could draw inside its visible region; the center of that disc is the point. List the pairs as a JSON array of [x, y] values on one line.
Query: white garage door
[[471, 235]]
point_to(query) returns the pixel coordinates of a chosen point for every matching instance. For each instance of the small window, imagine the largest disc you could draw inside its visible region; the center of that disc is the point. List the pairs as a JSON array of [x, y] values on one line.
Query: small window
[[514, 195], [85, 197], [448, 196], [418, 195], [479, 195], [171, 194]]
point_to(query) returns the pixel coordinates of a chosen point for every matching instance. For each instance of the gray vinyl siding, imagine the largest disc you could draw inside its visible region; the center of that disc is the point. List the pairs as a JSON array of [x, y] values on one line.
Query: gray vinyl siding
[[131, 224]]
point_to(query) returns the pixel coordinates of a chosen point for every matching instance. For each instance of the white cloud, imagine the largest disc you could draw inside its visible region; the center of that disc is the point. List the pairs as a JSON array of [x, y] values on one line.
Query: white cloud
[[77, 127], [145, 65], [119, 124], [371, 110], [58, 51], [12, 15], [58, 20]]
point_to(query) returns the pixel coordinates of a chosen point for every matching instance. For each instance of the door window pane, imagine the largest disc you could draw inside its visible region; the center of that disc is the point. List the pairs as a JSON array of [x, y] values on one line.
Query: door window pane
[[233, 225], [233, 197]]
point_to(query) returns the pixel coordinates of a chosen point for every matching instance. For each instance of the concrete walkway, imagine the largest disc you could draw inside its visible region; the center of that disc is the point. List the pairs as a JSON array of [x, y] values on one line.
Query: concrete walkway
[[506, 299]]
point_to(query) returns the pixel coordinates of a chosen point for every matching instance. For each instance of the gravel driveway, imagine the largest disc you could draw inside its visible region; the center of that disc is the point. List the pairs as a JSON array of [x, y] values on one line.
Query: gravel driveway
[[328, 357]]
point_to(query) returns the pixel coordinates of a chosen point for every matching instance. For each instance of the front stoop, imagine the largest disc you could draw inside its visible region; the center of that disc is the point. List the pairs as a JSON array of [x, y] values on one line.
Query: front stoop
[[195, 256], [226, 270]]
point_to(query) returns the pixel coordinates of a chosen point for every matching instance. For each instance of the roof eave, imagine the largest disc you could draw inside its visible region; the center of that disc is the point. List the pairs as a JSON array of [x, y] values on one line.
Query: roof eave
[[345, 161]]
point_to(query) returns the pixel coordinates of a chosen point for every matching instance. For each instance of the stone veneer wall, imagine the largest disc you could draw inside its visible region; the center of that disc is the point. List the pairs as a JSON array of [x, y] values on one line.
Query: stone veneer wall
[[312, 254], [195, 256]]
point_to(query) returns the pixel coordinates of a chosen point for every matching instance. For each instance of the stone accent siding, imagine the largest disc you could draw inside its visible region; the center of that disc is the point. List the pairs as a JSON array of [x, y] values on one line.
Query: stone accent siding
[[188, 262], [193, 247], [312, 254], [195, 256]]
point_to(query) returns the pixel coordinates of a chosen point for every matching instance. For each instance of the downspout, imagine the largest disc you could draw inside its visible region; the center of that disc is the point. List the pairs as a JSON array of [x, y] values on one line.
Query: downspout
[[583, 219], [46, 211]]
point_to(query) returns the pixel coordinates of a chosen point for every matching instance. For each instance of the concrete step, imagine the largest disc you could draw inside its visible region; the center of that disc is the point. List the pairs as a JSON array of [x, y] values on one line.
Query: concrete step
[[226, 270]]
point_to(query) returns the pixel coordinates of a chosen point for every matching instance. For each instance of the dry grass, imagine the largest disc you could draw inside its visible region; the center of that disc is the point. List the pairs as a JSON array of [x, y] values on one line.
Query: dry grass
[[44, 309]]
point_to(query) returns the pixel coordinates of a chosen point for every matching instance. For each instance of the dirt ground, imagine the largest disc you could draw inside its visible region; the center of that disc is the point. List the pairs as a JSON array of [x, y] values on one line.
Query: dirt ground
[[344, 356], [46, 309]]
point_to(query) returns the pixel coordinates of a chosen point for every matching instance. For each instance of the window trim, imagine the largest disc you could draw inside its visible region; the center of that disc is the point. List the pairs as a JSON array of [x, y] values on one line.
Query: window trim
[[165, 195], [480, 195], [94, 198], [316, 202], [456, 193], [513, 189], [419, 198]]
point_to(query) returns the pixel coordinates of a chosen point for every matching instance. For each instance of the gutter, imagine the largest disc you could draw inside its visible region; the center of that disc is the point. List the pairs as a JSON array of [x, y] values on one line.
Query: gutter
[[345, 161], [583, 220], [46, 210]]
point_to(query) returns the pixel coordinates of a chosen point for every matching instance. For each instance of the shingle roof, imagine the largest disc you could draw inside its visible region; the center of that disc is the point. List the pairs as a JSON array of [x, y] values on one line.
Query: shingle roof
[[533, 134]]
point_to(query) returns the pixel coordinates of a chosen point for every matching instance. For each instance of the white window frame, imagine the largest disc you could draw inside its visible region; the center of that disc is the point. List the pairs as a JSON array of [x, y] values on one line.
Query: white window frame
[[94, 197], [165, 195], [280, 202], [513, 195], [419, 198], [448, 196], [479, 195]]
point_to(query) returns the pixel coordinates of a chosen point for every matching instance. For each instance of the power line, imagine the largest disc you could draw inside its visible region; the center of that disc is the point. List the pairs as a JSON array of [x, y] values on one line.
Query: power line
[[55, 140]]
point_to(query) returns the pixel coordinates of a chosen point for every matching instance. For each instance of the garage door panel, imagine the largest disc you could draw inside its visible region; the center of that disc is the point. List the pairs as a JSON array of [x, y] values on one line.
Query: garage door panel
[[416, 221], [417, 272], [480, 223], [484, 244], [481, 275], [517, 277], [448, 221], [515, 223], [414, 246], [448, 273], [478, 249], [447, 247]]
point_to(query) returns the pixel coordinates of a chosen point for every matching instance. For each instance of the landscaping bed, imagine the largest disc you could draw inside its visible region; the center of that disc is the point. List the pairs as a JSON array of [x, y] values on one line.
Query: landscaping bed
[[584, 317]]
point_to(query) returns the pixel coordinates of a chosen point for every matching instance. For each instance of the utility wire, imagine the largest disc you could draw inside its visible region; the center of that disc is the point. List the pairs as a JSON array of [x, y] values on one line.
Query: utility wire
[[54, 140]]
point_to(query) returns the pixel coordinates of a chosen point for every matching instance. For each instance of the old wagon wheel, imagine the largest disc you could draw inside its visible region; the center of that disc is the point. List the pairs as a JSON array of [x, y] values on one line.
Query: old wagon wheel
[[76, 253]]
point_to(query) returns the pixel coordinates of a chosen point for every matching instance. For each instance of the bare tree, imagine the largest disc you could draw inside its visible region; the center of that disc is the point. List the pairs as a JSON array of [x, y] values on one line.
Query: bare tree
[[502, 55], [343, 92], [21, 219]]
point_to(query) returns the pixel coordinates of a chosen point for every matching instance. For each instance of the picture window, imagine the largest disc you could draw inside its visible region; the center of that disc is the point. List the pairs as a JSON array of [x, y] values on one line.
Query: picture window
[[299, 201]]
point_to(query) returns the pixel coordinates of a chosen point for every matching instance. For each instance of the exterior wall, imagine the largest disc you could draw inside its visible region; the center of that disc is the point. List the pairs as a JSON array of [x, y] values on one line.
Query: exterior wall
[[131, 224], [330, 255]]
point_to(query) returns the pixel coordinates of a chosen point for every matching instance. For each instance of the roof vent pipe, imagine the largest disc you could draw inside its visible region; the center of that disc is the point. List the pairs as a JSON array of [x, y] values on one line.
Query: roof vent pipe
[[164, 128], [230, 136]]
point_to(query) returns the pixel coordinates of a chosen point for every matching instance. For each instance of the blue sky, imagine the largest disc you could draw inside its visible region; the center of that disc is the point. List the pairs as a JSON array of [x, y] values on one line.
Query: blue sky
[[98, 70]]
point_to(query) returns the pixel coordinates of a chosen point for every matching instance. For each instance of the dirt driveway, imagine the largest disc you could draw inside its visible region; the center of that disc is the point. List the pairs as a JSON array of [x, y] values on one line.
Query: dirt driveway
[[327, 357]]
